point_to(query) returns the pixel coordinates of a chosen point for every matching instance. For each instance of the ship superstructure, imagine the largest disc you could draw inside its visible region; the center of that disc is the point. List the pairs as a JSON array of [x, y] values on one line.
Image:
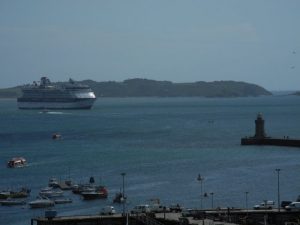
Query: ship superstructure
[[45, 95]]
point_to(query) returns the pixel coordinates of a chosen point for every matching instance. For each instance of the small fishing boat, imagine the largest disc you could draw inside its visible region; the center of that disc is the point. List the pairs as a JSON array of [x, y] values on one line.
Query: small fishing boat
[[41, 202], [78, 189], [4, 194], [63, 200], [17, 162], [51, 193], [56, 136], [53, 182], [93, 195], [23, 193], [11, 202], [100, 192]]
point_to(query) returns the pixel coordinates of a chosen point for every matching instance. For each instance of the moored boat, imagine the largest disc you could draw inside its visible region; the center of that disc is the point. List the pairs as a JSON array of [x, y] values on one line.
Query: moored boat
[[63, 200], [11, 202], [65, 185], [78, 189], [23, 193], [51, 193], [93, 195], [100, 192], [53, 182], [4, 194], [41, 202]]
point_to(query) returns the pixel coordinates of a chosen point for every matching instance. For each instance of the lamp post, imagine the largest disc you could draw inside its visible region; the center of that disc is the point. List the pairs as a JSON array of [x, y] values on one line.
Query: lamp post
[[212, 200], [200, 179], [246, 199], [123, 194], [278, 189]]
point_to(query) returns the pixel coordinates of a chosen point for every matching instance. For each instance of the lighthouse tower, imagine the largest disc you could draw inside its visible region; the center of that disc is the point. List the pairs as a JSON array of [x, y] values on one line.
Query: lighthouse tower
[[259, 127]]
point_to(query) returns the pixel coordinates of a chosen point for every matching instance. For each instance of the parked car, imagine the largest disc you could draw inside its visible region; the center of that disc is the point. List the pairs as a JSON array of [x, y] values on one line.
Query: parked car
[[195, 213], [108, 210], [157, 208], [265, 205], [294, 206], [141, 209], [189, 213], [176, 208], [285, 203]]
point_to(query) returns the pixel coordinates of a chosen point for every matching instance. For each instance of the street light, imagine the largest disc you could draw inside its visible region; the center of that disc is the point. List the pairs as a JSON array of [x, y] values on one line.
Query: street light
[[278, 189], [201, 181], [123, 195], [212, 200], [246, 194]]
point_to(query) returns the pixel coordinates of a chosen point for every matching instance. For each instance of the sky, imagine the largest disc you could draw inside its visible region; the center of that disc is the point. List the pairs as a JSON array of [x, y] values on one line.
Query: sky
[[255, 41]]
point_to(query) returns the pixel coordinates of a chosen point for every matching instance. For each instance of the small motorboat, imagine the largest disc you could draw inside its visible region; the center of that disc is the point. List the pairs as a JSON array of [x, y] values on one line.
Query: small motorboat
[[11, 202], [63, 200], [4, 194], [51, 193], [100, 192], [17, 162], [23, 193], [41, 202], [56, 136], [78, 189], [53, 182], [65, 185], [93, 195]]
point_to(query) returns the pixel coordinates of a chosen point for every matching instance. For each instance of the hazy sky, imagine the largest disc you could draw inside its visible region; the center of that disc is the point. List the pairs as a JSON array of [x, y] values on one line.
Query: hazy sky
[[256, 41]]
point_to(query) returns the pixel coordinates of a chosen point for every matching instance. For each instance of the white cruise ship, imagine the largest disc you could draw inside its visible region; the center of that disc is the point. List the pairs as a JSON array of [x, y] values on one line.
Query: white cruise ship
[[44, 95]]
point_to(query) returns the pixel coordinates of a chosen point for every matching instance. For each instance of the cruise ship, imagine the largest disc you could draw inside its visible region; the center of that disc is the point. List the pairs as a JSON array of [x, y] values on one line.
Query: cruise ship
[[44, 95]]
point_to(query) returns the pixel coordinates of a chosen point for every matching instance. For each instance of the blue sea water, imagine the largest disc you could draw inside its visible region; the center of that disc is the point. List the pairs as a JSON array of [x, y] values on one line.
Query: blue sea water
[[162, 144]]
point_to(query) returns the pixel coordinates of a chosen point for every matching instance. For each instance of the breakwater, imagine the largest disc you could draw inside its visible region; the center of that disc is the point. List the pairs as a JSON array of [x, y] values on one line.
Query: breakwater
[[271, 141], [260, 137]]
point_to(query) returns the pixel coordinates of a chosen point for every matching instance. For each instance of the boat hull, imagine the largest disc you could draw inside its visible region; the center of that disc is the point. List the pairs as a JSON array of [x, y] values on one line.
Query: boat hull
[[12, 202], [93, 195], [63, 201], [35, 205], [86, 103]]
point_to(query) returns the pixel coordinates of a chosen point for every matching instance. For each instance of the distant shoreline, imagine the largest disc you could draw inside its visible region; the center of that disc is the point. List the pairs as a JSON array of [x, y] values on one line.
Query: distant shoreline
[[153, 88]]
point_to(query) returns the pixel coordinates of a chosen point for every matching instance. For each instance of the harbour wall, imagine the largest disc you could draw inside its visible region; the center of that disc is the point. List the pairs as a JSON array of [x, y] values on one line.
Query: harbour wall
[[200, 217], [270, 141]]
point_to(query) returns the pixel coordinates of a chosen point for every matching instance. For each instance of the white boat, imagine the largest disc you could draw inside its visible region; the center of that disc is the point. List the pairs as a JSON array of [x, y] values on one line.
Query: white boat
[[51, 193], [17, 162], [41, 202], [46, 95], [53, 182], [100, 192]]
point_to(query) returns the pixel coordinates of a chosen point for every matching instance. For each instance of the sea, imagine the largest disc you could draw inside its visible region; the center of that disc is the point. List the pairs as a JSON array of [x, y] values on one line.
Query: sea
[[162, 144]]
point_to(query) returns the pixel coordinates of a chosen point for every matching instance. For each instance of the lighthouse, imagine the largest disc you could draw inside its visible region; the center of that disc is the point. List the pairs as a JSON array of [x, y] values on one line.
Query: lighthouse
[[260, 137], [259, 127]]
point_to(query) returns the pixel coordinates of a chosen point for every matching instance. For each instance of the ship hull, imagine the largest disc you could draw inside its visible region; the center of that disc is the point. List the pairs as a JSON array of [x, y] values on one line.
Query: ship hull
[[64, 104]]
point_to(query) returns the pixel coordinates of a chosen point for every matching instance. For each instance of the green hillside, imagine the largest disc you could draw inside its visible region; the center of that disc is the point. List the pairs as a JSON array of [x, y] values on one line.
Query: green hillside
[[152, 88]]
